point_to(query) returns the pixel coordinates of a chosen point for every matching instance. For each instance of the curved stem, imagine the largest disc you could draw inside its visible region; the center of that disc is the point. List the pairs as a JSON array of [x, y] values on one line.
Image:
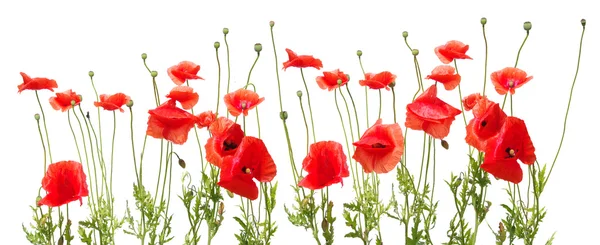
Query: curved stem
[[355, 112], [45, 129], [462, 109], [137, 177], [202, 166], [74, 137], [312, 122], [394, 104], [218, 81], [305, 124], [486, 59], [252, 68], [521, 48], [276, 69], [93, 195], [366, 92], [43, 148], [228, 66]]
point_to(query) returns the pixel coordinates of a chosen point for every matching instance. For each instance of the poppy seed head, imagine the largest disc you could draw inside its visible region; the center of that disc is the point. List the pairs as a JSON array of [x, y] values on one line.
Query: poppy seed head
[[483, 21], [283, 115], [583, 22], [129, 103], [217, 45], [144, 56], [258, 47], [415, 52], [271, 23], [359, 53], [225, 31], [36, 116], [91, 74], [154, 73], [404, 34], [527, 26], [299, 93]]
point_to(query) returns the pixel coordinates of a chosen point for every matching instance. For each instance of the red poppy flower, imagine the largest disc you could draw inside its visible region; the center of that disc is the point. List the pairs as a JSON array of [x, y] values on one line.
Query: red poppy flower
[[226, 137], [185, 70], [379, 80], [301, 61], [329, 80], [486, 125], [326, 165], [430, 114], [65, 182], [37, 83], [205, 119], [241, 101], [171, 123], [503, 150], [380, 148], [452, 50], [62, 101], [251, 161], [509, 79], [446, 75], [471, 100], [184, 95], [112, 102]]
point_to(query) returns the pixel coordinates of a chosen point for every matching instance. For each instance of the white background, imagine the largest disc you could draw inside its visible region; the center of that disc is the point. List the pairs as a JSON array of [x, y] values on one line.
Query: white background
[[64, 40]]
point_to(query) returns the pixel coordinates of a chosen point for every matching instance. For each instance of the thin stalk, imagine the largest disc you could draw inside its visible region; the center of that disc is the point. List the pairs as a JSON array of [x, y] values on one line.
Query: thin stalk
[[355, 112], [228, 66], [218, 81], [366, 92], [93, 195], [312, 122], [45, 129], [486, 59]]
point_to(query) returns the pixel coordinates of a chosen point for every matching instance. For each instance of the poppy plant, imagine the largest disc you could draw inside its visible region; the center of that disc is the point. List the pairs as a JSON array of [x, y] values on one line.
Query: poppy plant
[[64, 182], [301, 61], [112, 102], [37, 83], [502, 151], [380, 148], [430, 114], [62, 101], [379, 80], [446, 75], [484, 125], [329, 80], [325, 164], [509, 79], [451, 51], [169, 122], [251, 161], [241, 101], [183, 71], [226, 137], [185, 95]]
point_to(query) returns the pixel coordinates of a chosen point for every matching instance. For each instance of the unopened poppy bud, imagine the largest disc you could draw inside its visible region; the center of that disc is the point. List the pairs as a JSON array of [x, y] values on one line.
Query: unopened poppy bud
[[258, 47], [154, 73], [304, 202], [283, 115], [144, 56], [129, 103], [271, 23], [221, 208], [61, 240], [299, 93], [359, 53], [230, 194], [415, 52], [445, 144], [392, 84], [324, 224], [91, 74], [217, 45], [404, 34], [36, 116], [181, 163], [225, 31], [527, 26], [483, 21], [583, 22], [38, 199]]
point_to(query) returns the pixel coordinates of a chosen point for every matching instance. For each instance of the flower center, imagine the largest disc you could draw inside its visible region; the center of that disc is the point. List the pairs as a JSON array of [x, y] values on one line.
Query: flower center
[[511, 83], [229, 145], [246, 170], [483, 123], [511, 152], [378, 145], [244, 105]]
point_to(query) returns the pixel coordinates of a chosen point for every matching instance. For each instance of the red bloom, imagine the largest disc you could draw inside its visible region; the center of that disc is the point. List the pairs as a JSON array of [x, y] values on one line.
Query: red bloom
[[241, 101], [185, 70], [470, 101], [379, 80], [251, 161], [37, 83], [112, 102], [452, 50], [169, 122], [205, 119], [226, 137], [65, 182], [446, 75], [503, 150], [62, 101], [486, 125], [329, 80], [380, 148], [430, 114], [301, 61], [326, 165], [184, 95], [509, 79]]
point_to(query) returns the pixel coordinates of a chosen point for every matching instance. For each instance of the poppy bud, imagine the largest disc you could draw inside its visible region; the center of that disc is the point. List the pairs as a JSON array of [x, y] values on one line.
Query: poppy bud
[[36, 116], [404, 34], [153, 73], [230, 194], [181, 163], [445, 144], [304, 202], [283, 115], [217, 45], [129, 103], [144, 56], [225, 31], [392, 84], [91, 74], [339, 81], [221, 208], [527, 26], [483, 21], [415, 52], [271, 23], [299, 93], [359, 53], [324, 224], [258, 47], [583, 22], [38, 199], [61, 240], [72, 102]]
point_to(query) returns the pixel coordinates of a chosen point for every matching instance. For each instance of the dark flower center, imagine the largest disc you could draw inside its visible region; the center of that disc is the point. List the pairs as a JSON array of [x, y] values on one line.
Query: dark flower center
[[483, 123], [229, 145], [511, 152], [378, 145]]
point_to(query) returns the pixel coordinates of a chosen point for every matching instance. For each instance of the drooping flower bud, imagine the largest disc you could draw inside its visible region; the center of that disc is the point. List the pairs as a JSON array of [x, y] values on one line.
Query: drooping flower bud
[[445, 144], [583, 22], [181, 163]]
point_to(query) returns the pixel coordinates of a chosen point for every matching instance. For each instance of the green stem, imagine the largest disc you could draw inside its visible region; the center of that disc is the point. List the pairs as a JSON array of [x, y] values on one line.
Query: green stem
[[305, 124], [112, 153], [228, 65], [462, 109], [521, 48], [93, 195], [379, 115], [218, 81], [355, 112], [198, 138], [276, 70], [356, 183], [43, 148], [366, 92], [92, 153], [252, 68], [485, 62], [394, 104], [74, 137], [312, 122], [137, 177], [45, 129]]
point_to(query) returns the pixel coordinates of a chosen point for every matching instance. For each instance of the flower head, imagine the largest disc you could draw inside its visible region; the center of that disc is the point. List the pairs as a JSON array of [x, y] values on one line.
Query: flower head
[[446, 75], [63, 101], [430, 114], [171, 123], [301, 61], [65, 182], [112, 102], [37, 83], [241, 101], [325, 164], [379, 80], [452, 50], [184, 95], [226, 138], [205, 119], [509, 79], [330, 79], [380, 148], [185, 70]]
